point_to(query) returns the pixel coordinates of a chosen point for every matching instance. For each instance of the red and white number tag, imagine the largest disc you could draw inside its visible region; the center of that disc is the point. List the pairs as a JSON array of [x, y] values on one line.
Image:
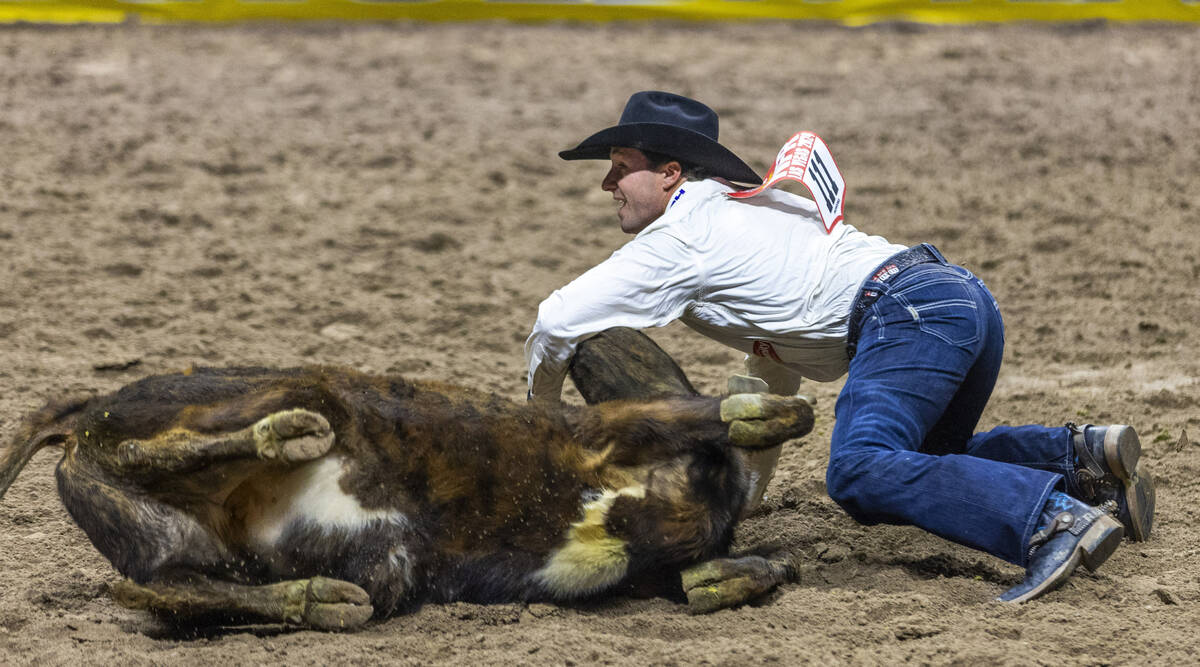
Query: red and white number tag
[[806, 159]]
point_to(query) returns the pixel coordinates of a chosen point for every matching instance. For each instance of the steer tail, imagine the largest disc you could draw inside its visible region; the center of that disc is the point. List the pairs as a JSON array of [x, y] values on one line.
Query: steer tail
[[49, 426]]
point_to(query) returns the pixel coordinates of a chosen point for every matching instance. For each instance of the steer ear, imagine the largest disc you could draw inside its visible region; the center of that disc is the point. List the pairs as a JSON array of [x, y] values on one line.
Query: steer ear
[[49, 426], [624, 364]]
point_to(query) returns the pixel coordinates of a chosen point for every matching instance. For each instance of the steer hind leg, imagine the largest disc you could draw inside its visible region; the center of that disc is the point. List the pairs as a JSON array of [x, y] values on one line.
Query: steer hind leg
[[319, 603], [287, 436]]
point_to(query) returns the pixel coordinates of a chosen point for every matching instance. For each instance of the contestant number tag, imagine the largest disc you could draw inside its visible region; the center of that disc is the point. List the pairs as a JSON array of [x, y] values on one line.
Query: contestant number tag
[[806, 159]]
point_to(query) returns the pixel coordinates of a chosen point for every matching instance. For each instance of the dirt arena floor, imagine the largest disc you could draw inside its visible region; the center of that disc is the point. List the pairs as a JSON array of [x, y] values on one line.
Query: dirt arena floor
[[388, 198]]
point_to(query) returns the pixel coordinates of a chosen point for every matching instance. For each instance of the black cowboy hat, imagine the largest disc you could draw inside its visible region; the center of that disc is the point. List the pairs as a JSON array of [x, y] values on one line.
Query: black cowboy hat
[[672, 125]]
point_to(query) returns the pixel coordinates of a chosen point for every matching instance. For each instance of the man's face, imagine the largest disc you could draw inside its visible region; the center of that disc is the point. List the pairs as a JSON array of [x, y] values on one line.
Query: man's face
[[641, 191]]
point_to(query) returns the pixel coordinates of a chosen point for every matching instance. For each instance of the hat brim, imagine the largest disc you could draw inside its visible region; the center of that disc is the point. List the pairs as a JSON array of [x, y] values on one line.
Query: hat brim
[[678, 142]]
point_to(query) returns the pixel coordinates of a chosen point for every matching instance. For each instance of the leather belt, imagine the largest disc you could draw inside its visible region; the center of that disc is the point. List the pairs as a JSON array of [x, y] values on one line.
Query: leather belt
[[890, 268]]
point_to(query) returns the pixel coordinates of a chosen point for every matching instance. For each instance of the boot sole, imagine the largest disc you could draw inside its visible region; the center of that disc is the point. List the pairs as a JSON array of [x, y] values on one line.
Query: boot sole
[[1099, 542], [1122, 452]]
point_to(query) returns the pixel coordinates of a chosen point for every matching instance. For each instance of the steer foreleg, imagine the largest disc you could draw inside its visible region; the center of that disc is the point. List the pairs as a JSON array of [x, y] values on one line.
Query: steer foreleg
[[319, 602], [726, 582], [628, 433], [763, 421]]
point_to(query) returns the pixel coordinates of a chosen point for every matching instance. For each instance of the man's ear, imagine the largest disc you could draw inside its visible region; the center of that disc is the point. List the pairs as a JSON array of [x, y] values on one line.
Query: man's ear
[[670, 171]]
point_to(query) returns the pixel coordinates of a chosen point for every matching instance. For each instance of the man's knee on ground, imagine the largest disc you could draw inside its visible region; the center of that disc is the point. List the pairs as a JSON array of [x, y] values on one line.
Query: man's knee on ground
[[844, 480]]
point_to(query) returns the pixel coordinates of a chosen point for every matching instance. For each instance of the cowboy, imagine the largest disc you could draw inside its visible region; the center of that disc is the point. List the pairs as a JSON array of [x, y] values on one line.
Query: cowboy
[[919, 339]]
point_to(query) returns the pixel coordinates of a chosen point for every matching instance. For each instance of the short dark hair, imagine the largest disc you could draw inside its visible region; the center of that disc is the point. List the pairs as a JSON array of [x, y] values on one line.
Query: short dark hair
[[691, 171]]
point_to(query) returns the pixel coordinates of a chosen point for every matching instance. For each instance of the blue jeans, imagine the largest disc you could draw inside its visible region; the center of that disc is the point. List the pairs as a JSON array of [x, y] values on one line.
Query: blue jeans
[[904, 450]]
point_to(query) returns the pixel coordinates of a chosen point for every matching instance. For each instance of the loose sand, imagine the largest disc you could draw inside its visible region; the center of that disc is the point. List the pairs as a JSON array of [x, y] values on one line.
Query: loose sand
[[388, 197]]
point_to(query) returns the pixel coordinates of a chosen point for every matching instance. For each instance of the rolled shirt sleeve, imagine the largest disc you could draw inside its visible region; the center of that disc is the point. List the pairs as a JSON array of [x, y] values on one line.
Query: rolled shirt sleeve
[[649, 282], [761, 276]]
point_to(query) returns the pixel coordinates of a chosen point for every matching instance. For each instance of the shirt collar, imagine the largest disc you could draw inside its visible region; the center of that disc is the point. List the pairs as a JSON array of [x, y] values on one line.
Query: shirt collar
[[686, 198]]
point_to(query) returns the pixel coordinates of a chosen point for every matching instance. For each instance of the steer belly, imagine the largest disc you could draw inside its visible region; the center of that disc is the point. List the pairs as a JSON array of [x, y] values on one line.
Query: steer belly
[[301, 523]]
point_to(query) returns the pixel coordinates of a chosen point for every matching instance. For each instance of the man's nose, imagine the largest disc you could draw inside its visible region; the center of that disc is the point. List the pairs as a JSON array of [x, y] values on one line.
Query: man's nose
[[609, 183]]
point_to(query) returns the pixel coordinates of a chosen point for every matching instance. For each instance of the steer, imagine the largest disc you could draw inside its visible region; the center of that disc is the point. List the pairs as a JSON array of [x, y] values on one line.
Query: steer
[[321, 496]]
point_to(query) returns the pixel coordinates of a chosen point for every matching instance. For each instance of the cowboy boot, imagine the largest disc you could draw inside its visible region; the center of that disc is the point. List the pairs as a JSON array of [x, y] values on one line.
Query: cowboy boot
[[1070, 533], [1108, 471]]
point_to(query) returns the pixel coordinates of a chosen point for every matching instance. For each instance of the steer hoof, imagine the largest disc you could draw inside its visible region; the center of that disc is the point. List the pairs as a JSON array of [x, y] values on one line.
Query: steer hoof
[[293, 435], [763, 420], [728, 582], [332, 604]]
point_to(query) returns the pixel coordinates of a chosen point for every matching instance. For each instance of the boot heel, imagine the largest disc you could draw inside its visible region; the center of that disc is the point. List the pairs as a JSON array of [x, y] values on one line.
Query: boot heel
[[1100, 541], [1122, 449], [1139, 499]]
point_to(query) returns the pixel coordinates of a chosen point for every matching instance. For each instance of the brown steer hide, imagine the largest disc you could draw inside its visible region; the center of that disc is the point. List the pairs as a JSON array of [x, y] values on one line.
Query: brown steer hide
[[321, 496]]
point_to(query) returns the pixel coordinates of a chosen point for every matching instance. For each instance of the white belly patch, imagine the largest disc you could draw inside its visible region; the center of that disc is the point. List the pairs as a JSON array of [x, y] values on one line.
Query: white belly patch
[[309, 493]]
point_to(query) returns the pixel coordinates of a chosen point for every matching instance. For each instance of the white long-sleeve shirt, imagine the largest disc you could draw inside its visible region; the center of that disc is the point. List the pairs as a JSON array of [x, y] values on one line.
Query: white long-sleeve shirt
[[760, 275]]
